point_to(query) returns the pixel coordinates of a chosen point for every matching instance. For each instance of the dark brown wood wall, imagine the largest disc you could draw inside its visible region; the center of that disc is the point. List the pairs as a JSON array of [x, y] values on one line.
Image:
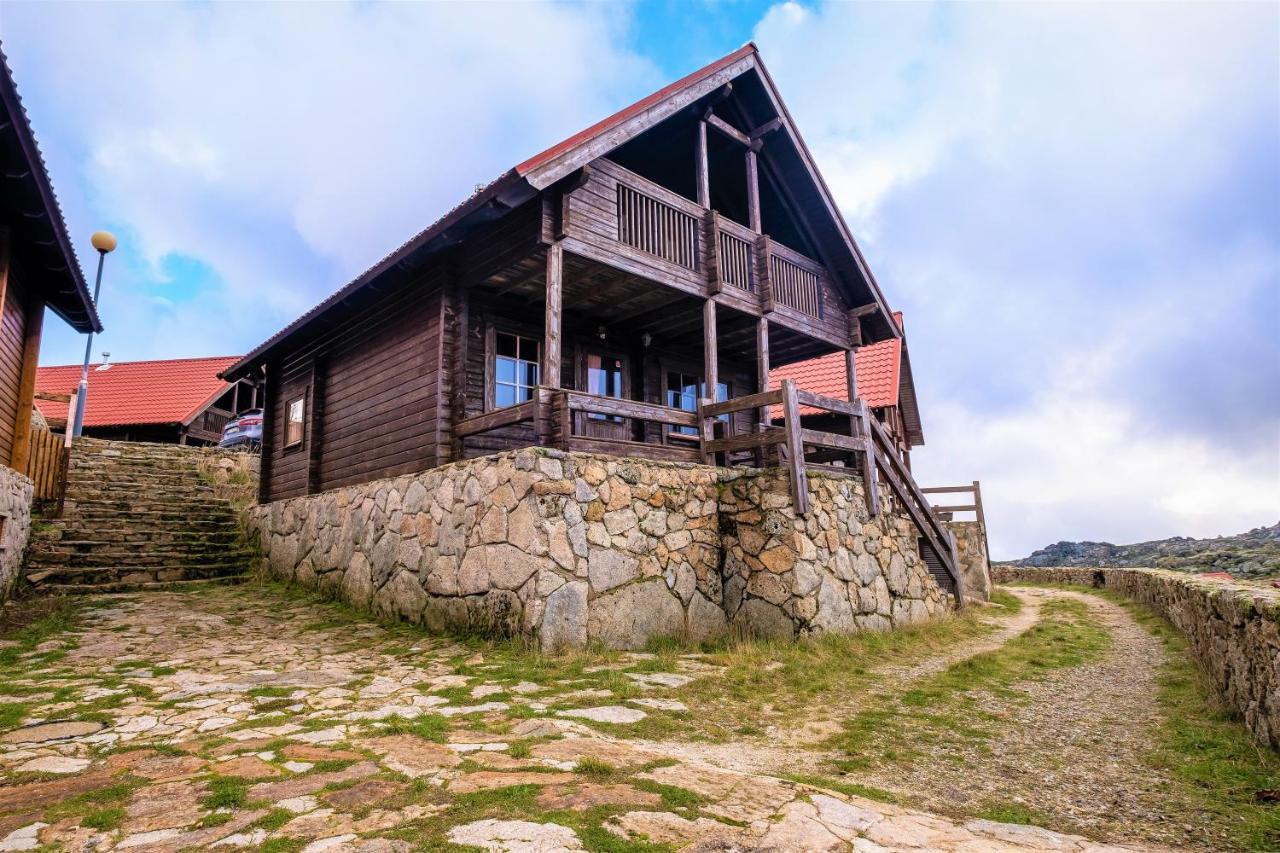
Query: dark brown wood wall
[[13, 328], [379, 378]]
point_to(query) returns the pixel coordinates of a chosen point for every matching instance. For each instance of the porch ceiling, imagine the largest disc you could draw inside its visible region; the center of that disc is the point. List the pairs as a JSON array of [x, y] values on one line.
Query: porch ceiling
[[628, 304]]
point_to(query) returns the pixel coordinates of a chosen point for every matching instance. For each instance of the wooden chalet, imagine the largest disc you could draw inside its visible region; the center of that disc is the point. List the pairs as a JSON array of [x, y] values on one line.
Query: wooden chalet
[[38, 270], [884, 381], [627, 291], [175, 401]]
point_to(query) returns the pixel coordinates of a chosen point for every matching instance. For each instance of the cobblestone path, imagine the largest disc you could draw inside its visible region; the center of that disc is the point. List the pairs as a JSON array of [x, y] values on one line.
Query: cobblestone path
[[241, 718]]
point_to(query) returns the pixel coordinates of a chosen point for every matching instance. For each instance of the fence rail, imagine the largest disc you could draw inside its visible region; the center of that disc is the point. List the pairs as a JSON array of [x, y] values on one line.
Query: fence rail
[[796, 281]]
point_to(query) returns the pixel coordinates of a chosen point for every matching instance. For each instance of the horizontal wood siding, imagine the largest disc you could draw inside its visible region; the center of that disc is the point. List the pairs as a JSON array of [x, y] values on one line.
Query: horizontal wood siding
[[380, 381], [13, 326]]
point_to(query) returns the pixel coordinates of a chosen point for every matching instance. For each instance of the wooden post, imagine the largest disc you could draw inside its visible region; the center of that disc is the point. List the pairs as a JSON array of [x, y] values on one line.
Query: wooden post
[[762, 366], [795, 448], [20, 453], [701, 168], [753, 190], [710, 350], [268, 438], [851, 371], [764, 274], [870, 477], [315, 424], [551, 344]]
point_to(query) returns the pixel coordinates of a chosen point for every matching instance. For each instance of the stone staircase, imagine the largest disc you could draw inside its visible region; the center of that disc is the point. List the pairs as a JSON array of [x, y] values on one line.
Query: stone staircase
[[139, 516]]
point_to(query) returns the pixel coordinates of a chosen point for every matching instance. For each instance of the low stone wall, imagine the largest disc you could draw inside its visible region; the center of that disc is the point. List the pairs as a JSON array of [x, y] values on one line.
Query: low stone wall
[[1233, 629], [16, 492], [574, 548], [972, 558]]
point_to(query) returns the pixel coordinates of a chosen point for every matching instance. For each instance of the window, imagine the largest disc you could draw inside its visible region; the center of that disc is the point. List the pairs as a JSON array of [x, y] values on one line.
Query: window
[[683, 390], [515, 369], [604, 378], [295, 421]]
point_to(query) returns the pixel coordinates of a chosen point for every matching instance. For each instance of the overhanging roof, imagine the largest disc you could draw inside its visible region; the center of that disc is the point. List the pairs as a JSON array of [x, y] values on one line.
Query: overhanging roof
[[522, 182], [30, 208]]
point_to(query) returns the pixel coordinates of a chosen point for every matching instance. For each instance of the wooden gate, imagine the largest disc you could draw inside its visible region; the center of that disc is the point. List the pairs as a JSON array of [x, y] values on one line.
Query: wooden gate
[[47, 464]]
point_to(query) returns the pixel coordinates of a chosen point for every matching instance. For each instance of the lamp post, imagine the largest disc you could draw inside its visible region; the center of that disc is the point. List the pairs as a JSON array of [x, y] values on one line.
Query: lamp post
[[104, 242]]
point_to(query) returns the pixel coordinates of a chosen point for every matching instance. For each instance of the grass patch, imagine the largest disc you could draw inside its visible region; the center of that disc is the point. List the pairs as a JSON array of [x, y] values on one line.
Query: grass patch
[[590, 766], [432, 727], [943, 707], [1013, 813], [104, 806], [1011, 604], [49, 617], [226, 792], [844, 786], [274, 819], [12, 714]]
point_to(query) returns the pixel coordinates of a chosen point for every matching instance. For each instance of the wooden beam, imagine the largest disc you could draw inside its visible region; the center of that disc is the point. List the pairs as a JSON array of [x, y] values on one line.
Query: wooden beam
[[701, 168], [555, 292], [851, 373], [727, 129], [753, 191], [268, 427], [864, 310], [766, 128], [315, 423], [6, 240], [710, 350], [20, 453], [762, 365]]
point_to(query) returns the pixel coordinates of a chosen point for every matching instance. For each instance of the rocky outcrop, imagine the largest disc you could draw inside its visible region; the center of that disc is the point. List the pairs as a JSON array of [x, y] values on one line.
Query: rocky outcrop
[[1233, 629], [15, 527], [574, 548], [1255, 554]]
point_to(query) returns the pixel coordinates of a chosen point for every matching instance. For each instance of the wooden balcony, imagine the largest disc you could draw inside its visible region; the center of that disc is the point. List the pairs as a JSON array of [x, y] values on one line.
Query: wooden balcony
[[622, 219]]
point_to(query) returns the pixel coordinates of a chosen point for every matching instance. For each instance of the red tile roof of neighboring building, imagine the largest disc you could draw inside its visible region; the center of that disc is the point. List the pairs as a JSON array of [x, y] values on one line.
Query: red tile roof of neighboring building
[[879, 371], [137, 392]]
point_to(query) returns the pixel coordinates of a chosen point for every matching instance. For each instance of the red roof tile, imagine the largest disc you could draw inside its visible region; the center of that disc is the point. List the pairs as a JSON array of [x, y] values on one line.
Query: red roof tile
[[878, 374], [137, 392]]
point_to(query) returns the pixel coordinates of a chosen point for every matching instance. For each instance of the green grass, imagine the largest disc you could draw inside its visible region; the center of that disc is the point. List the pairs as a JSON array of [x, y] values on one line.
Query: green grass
[[844, 786], [589, 766], [60, 618], [1013, 813], [1205, 746], [1010, 603], [12, 714], [432, 727], [226, 792], [943, 708]]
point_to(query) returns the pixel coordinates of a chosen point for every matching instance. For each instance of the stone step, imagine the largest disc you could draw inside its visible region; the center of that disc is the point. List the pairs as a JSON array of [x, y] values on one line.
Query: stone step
[[149, 586], [145, 560], [135, 574], [95, 513]]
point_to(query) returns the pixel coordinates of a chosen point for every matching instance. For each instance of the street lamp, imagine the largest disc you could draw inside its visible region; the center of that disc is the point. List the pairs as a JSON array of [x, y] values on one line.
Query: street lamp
[[104, 242]]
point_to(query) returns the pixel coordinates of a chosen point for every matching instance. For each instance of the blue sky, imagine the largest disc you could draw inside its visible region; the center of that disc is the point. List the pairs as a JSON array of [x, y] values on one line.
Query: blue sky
[[1076, 206]]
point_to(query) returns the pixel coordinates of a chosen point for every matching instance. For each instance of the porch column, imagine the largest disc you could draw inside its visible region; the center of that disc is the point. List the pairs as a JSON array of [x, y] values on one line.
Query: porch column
[[762, 366], [710, 356], [700, 166], [20, 454], [551, 343], [753, 189], [851, 369]]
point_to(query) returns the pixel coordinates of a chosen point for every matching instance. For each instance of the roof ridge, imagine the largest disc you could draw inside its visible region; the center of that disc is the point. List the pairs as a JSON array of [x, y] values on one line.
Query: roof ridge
[[143, 361]]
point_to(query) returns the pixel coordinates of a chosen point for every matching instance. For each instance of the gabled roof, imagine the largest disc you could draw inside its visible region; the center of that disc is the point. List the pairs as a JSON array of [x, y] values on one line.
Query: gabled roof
[[884, 379], [30, 208], [137, 392], [526, 179]]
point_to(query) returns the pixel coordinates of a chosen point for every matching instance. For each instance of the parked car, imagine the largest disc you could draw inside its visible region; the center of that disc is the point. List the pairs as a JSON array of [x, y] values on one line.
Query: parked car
[[243, 432]]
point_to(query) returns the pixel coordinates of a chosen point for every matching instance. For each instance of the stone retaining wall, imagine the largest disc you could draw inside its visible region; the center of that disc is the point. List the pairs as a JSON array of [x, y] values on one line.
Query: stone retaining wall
[[971, 558], [570, 548], [16, 493], [1233, 629]]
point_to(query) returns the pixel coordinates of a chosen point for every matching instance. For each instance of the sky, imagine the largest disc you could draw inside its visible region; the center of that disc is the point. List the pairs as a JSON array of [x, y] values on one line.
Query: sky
[[1076, 206]]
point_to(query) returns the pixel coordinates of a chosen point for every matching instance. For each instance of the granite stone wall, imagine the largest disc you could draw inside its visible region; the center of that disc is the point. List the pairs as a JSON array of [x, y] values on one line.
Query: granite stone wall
[[1233, 629], [16, 492], [972, 559], [572, 548]]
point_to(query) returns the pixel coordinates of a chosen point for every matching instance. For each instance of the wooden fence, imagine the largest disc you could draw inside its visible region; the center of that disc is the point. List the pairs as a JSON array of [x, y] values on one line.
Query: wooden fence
[[47, 464]]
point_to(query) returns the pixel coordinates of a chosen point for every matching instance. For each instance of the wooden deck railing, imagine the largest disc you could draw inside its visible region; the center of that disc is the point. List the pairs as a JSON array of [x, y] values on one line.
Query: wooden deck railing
[[945, 513], [657, 227], [796, 280]]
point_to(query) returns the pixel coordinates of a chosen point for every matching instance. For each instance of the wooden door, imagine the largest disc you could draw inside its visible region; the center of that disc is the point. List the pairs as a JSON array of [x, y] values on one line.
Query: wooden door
[[604, 373]]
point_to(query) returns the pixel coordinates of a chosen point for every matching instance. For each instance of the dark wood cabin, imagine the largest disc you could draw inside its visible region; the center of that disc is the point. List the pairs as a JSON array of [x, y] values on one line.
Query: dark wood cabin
[[173, 401], [38, 269], [627, 291]]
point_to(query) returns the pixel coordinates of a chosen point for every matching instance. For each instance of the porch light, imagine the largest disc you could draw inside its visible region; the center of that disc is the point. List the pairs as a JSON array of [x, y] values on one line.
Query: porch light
[[103, 241], [601, 332]]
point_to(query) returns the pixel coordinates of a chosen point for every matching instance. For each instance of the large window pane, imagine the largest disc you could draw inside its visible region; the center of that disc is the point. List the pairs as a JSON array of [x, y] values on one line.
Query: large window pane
[[504, 395], [505, 370]]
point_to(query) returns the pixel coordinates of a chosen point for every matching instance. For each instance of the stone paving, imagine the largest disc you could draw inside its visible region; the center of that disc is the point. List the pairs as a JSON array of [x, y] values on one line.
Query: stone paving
[[238, 718]]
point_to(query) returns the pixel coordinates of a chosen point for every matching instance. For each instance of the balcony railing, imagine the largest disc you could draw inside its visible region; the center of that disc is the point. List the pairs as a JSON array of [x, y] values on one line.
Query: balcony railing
[[669, 227]]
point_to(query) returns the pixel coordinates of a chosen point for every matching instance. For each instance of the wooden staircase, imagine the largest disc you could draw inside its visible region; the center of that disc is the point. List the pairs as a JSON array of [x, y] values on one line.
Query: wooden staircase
[[136, 516]]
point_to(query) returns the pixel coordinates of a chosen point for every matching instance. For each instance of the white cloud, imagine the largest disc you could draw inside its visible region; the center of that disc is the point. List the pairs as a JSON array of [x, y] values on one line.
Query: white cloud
[[1077, 206], [290, 146]]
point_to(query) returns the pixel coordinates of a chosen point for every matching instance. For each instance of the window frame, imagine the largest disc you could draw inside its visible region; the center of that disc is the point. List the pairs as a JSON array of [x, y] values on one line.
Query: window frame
[[300, 399], [491, 365], [685, 373]]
